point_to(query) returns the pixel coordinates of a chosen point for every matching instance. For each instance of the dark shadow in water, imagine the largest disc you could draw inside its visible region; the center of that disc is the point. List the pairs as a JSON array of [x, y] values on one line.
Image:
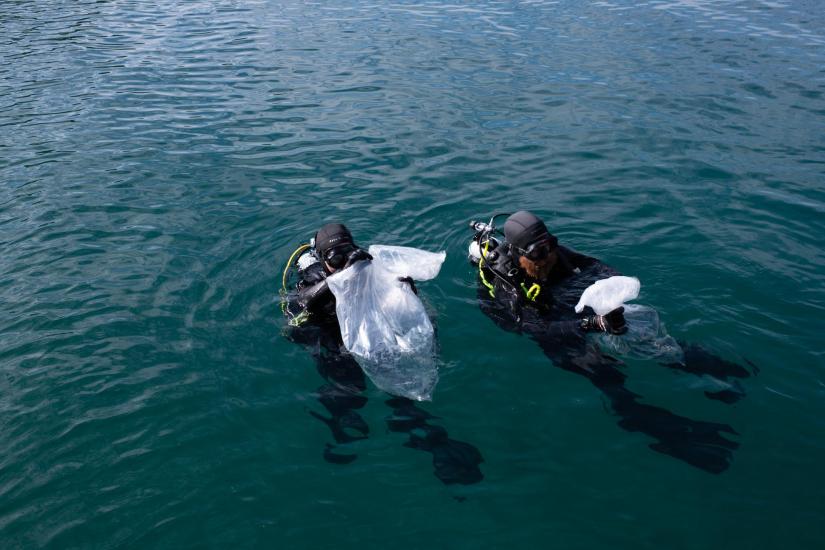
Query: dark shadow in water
[[698, 443], [455, 462], [701, 362]]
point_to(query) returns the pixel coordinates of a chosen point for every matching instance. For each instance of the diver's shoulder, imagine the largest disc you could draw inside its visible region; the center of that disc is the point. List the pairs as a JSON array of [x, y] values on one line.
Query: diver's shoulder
[[313, 273], [579, 263], [576, 259]]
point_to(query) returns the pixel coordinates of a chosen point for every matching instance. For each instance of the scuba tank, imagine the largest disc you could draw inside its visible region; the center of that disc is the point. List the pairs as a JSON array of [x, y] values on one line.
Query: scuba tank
[[307, 259], [483, 241]]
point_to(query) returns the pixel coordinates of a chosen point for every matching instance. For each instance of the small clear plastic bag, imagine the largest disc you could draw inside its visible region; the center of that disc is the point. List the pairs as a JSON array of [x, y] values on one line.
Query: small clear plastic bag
[[384, 324], [646, 337]]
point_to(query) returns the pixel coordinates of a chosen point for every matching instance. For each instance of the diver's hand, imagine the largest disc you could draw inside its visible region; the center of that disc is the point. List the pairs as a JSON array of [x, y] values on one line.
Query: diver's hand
[[357, 255], [612, 322], [409, 281]]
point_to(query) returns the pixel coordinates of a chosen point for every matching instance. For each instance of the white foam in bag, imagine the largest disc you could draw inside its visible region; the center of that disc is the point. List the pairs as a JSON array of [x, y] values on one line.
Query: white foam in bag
[[384, 324], [606, 295]]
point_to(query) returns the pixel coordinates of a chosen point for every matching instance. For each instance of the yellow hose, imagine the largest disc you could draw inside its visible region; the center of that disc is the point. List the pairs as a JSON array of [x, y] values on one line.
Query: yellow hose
[[286, 274], [490, 287], [289, 264]]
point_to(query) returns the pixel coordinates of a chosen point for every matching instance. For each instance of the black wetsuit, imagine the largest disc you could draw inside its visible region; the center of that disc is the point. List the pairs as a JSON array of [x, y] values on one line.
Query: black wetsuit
[[551, 322], [550, 310], [342, 394]]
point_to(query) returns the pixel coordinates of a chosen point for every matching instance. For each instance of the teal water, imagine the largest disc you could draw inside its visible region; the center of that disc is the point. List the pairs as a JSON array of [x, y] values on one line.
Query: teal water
[[159, 161]]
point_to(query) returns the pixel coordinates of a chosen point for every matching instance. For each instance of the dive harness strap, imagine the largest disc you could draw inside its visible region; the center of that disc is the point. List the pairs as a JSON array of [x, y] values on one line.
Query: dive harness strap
[[532, 292], [299, 319], [490, 288]]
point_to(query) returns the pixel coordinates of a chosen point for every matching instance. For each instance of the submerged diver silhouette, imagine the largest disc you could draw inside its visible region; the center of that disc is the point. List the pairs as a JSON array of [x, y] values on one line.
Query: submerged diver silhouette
[[313, 323], [342, 396], [529, 284]]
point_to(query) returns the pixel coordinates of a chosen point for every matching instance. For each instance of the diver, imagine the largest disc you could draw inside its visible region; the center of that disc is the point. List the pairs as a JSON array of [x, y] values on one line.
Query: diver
[[310, 310], [529, 283]]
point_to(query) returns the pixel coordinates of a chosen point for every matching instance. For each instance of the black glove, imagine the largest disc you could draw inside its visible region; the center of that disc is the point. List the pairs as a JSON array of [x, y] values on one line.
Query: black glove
[[410, 282], [357, 255], [612, 322]]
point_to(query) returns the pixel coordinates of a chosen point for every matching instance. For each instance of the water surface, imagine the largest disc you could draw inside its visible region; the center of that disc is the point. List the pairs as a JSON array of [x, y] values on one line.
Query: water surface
[[159, 161]]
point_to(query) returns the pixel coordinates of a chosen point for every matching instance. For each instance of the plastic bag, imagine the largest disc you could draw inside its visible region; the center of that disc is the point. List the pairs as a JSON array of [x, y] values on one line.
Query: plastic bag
[[646, 337], [606, 295], [408, 262], [384, 324]]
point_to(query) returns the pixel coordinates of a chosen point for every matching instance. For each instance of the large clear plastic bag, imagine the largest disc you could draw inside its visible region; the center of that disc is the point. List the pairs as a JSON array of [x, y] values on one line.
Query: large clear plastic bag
[[384, 324]]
